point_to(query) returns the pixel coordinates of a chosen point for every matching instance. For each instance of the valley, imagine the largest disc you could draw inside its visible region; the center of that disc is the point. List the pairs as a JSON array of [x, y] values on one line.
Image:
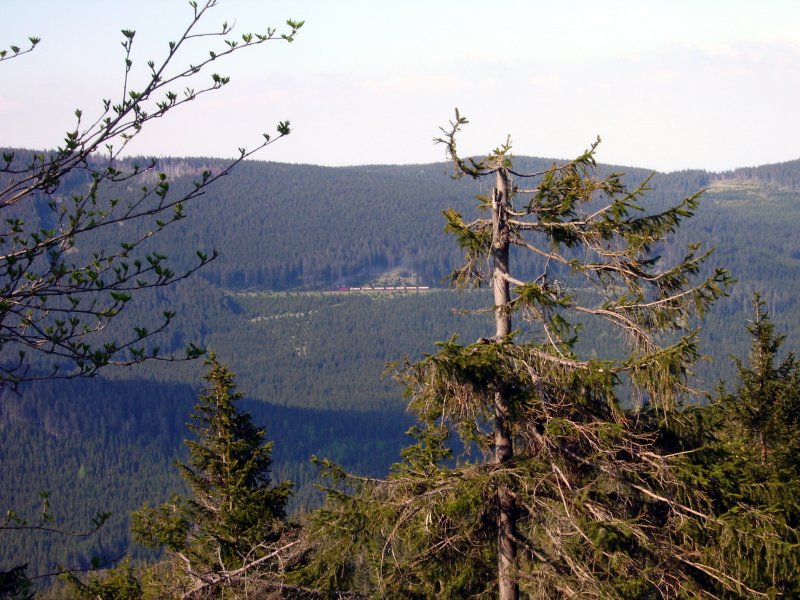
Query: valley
[[310, 351]]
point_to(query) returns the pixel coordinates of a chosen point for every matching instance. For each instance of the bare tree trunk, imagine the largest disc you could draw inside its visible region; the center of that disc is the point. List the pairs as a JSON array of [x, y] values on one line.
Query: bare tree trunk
[[503, 443]]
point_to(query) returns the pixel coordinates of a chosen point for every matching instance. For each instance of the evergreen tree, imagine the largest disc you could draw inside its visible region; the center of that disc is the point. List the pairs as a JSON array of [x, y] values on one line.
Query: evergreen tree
[[231, 531], [119, 583], [558, 488], [14, 584], [767, 401], [749, 466]]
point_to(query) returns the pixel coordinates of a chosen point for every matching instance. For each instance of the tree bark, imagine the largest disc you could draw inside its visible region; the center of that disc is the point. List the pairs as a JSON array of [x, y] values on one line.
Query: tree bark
[[503, 442]]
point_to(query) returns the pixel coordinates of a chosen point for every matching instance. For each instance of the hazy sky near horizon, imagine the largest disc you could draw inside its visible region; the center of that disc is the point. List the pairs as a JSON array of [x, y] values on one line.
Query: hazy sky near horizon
[[668, 85]]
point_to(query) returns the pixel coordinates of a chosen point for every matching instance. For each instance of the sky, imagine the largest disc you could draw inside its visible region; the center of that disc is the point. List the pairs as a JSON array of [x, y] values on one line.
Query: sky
[[667, 85]]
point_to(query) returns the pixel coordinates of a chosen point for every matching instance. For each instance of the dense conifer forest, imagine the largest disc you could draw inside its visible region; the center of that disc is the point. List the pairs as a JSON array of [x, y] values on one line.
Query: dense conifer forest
[[310, 355]]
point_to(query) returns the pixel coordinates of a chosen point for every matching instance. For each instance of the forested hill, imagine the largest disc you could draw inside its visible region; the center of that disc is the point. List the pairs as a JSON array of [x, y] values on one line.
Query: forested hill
[[281, 226], [288, 234], [784, 176]]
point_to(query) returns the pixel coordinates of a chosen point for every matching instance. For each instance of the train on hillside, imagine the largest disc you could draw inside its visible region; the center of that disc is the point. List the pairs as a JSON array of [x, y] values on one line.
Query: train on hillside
[[396, 288]]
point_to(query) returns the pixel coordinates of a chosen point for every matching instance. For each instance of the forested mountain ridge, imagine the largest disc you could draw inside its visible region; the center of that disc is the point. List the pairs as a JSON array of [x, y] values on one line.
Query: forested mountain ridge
[[292, 229], [785, 175], [283, 226]]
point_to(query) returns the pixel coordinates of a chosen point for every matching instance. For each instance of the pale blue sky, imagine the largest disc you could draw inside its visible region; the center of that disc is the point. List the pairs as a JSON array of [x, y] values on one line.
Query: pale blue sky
[[668, 85]]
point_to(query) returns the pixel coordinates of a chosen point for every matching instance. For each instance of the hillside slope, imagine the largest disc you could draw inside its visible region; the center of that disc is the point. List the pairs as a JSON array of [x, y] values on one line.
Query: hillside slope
[[311, 358]]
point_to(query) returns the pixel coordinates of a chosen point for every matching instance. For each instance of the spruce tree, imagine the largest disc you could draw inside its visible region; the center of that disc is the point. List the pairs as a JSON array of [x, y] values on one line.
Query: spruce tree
[[232, 528], [748, 465], [766, 404], [536, 468]]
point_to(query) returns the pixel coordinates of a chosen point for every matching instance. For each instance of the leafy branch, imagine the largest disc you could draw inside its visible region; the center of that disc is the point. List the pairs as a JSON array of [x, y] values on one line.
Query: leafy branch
[[16, 51], [57, 296]]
